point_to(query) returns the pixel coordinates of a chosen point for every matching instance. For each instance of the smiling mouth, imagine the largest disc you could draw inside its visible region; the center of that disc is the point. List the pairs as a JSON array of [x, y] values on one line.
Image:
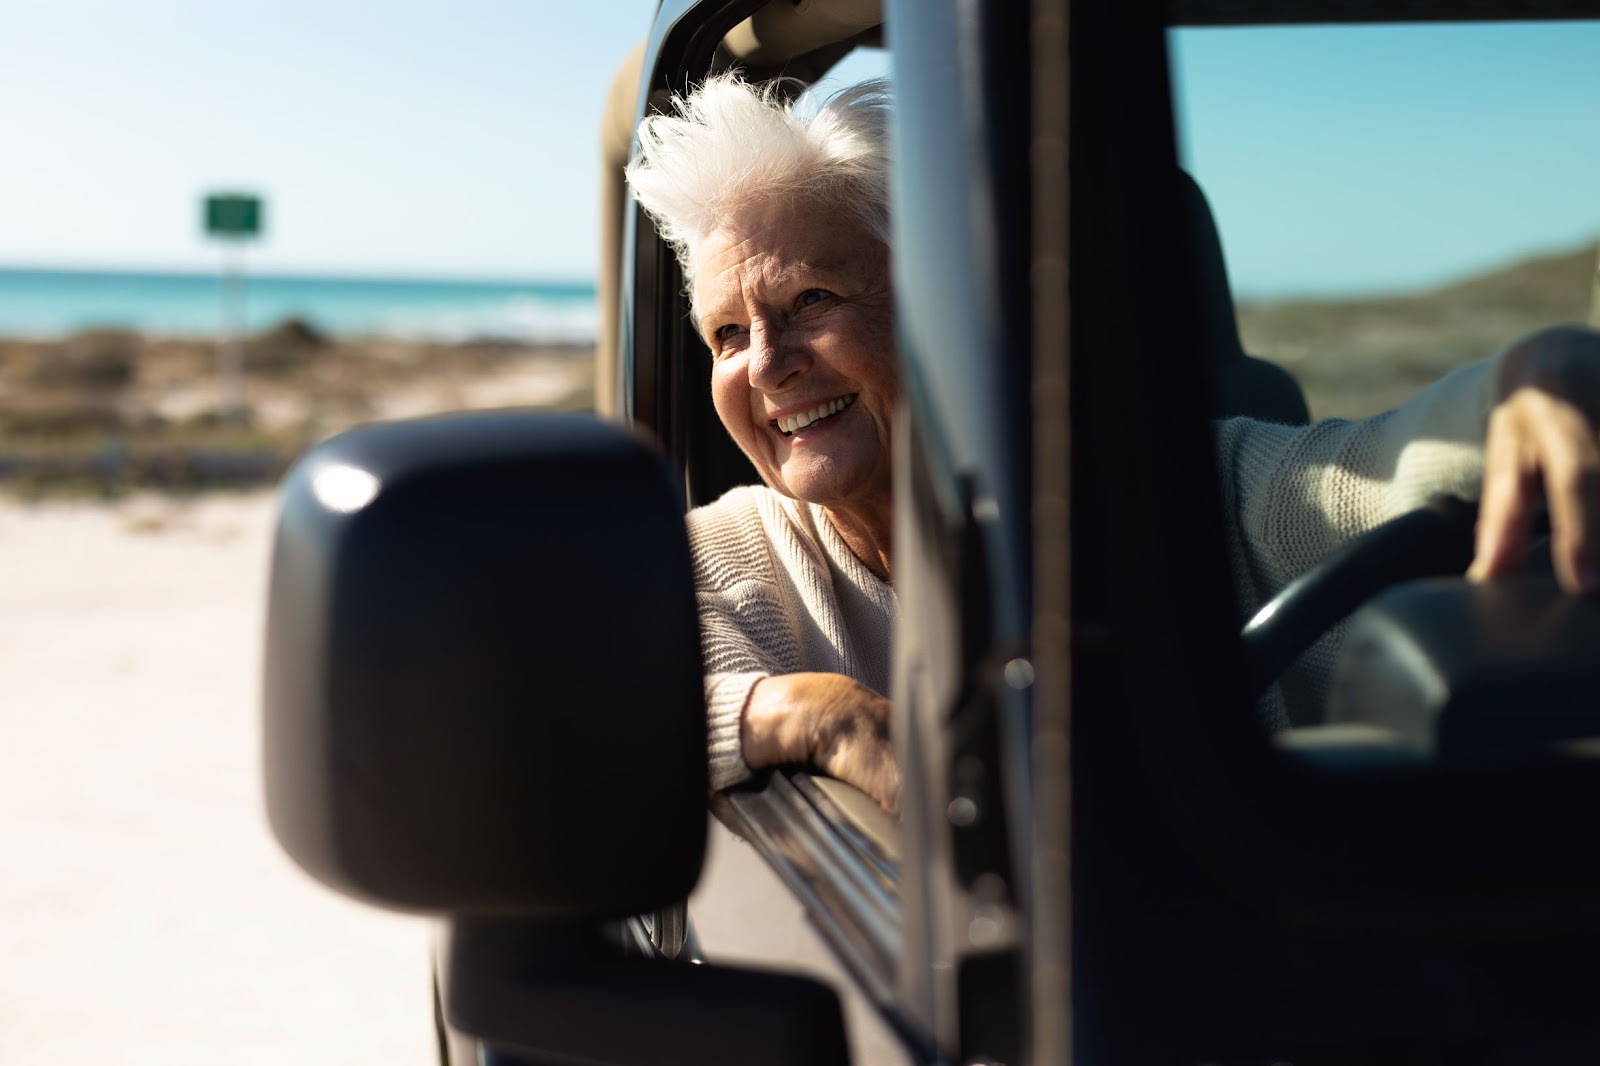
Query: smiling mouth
[[789, 425]]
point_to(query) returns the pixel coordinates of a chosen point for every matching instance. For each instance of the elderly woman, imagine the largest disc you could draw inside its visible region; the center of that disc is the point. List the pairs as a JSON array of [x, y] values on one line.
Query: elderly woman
[[781, 223]]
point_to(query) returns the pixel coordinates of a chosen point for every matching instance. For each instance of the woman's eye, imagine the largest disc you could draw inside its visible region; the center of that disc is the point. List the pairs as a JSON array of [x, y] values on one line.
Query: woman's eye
[[727, 334], [813, 296]]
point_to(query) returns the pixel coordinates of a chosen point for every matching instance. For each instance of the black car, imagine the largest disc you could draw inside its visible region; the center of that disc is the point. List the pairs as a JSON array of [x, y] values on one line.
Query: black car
[[483, 690]]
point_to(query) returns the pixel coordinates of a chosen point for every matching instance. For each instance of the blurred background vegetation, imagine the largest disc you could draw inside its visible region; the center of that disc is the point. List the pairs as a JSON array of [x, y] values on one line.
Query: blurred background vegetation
[[1356, 357], [105, 412]]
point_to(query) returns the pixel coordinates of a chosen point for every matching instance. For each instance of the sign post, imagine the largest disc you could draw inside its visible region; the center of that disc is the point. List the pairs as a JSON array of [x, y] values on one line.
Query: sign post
[[1594, 297], [232, 218]]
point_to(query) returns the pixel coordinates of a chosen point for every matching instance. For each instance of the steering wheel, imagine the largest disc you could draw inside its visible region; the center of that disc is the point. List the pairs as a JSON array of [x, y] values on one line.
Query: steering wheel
[[1434, 540]]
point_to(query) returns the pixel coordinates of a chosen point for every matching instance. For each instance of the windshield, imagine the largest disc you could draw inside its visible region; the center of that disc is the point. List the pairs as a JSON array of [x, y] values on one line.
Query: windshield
[[1398, 200]]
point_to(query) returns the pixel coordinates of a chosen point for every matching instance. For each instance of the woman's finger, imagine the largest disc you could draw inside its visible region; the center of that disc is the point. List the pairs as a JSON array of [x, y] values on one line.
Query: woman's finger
[[1567, 452], [1506, 509]]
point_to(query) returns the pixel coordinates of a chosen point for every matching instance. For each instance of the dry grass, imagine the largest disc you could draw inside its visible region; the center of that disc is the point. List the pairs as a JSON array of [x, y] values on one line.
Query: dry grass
[[1358, 357], [106, 413]]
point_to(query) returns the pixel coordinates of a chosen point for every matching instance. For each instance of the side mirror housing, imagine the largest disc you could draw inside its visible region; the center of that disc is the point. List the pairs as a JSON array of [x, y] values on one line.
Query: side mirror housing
[[482, 683]]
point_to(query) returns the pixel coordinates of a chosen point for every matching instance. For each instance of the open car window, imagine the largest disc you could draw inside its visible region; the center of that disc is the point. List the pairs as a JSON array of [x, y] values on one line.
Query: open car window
[[1396, 200]]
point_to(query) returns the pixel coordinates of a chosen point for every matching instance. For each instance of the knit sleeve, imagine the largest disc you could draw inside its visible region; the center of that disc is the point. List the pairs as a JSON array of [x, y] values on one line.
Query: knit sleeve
[[733, 663], [726, 695], [1294, 493], [742, 625]]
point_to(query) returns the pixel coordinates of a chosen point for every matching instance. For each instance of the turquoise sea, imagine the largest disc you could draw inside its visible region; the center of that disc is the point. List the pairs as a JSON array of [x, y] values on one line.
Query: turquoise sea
[[50, 303]]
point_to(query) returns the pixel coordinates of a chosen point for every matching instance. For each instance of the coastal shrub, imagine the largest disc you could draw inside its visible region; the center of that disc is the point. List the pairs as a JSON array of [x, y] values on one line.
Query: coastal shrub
[[58, 418], [103, 360], [286, 347]]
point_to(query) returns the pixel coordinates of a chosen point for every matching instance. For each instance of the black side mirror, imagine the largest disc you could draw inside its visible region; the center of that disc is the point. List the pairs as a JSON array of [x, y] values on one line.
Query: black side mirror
[[483, 701], [483, 682]]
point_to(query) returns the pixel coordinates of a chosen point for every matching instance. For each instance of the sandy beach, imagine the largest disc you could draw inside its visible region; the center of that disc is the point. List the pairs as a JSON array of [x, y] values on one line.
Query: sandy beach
[[146, 915]]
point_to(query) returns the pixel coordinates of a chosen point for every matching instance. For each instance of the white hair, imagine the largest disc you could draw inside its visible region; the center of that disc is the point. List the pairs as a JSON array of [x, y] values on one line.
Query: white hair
[[732, 144]]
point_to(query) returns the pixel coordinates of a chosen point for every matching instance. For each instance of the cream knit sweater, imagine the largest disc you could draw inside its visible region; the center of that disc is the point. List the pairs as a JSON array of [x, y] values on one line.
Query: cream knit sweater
[[780, 592]]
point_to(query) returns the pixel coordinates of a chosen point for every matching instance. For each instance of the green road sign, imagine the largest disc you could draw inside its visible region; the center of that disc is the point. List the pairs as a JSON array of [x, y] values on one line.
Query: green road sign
[[233, 215]]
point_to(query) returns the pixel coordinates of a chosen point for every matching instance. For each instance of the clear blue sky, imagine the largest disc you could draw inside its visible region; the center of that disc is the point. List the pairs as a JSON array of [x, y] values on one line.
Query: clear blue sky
[[428, 137], [453, 138], [1359, 158]]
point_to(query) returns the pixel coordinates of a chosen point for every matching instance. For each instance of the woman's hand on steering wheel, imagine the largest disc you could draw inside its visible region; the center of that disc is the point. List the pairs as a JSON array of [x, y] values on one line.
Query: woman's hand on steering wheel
[[1544, 434], [827, 721]]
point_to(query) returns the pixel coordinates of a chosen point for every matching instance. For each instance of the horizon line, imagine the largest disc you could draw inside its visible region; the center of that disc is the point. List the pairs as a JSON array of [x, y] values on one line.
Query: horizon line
[[302, 274]]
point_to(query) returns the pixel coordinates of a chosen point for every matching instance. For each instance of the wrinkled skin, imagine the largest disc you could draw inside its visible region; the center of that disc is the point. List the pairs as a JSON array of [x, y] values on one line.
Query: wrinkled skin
[[829, 721], [792, 300], [794, 304]]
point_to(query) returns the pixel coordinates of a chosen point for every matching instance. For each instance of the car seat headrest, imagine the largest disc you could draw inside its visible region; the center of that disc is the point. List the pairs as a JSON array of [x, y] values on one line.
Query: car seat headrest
[[1246, 386]]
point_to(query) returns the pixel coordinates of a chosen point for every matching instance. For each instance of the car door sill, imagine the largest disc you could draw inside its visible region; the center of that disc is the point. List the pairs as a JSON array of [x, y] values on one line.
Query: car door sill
[[843, 870]]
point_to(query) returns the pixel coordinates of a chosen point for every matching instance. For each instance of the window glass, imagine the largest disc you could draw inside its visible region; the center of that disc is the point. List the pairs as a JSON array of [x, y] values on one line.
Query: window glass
[[1395, 200]]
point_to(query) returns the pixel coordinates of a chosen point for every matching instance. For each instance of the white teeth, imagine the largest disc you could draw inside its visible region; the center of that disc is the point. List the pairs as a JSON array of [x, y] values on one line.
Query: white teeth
[[792, 423]]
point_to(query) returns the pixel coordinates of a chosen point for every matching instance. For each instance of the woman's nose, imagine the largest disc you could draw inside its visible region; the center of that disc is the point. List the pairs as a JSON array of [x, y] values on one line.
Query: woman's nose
[[774, 358]]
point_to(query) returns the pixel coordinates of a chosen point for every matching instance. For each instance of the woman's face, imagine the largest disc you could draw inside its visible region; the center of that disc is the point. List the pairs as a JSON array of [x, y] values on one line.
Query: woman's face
[[793, 299]]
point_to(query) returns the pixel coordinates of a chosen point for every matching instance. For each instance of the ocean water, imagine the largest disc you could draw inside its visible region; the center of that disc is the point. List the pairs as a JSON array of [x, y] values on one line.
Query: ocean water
[[51, 303]]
